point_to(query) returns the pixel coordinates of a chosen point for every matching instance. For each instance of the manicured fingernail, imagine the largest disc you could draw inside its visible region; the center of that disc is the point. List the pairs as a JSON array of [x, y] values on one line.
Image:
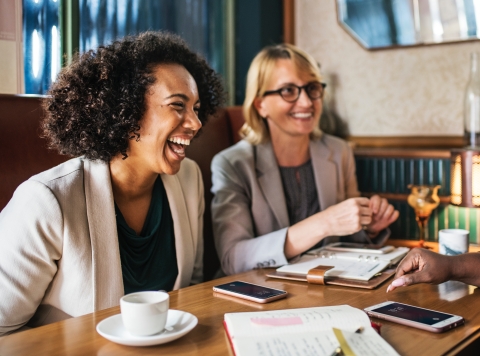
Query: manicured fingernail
[[390, 288], [398, 282]]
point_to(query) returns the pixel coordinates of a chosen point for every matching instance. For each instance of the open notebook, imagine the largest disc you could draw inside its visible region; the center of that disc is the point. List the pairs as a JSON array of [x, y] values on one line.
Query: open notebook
[[306, 331], [348, 265], [361, 270]]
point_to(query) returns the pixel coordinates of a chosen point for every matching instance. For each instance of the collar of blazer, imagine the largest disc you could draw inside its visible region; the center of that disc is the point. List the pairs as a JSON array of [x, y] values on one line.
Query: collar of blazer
[[106, 266], [182, 226], [270, 181]]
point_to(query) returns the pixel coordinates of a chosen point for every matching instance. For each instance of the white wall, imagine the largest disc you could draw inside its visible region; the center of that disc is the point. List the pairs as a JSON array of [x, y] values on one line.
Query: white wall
[[11, 63], [392, 92]]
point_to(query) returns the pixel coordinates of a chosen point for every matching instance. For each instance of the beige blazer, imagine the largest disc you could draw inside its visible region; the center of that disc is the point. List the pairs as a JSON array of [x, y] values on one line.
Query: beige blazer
[[59, 254], [249, 210]]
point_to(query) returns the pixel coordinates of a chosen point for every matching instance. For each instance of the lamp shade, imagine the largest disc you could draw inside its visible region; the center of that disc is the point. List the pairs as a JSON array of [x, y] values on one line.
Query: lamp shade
[[465, 178]]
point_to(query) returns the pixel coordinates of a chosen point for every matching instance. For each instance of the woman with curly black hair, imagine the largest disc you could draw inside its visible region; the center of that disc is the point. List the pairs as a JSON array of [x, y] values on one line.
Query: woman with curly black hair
[[125, 214]]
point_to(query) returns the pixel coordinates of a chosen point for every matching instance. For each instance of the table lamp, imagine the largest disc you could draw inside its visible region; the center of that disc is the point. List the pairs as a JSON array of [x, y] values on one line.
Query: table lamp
[[465, 177]]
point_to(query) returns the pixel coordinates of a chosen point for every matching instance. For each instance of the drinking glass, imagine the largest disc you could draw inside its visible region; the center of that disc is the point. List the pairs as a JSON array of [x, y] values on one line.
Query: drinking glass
[[423, 199]]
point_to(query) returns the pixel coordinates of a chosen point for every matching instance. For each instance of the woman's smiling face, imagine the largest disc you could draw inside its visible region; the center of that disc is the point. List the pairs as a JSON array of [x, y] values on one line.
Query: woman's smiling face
[[288, 119], [169, 123]]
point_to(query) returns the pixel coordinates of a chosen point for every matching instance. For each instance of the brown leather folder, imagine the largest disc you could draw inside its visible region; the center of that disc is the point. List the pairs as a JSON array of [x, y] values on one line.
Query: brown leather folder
[[317, 276]]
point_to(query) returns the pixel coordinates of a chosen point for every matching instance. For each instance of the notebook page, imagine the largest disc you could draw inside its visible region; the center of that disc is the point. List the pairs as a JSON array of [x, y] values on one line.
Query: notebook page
[[289, 321], [399, 252], [310, 343], [344, 268]]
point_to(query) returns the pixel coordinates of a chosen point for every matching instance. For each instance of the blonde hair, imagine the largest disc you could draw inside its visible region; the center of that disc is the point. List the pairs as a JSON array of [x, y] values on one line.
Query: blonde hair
[[255, 129]]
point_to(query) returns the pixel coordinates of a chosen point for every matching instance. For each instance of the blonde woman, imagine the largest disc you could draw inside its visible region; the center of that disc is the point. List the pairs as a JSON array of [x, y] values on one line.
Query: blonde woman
[[286, 187]]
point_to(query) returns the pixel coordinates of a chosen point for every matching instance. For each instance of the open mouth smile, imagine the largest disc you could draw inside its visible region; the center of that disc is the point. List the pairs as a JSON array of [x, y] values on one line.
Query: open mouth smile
[[177, 145], [302, 115]]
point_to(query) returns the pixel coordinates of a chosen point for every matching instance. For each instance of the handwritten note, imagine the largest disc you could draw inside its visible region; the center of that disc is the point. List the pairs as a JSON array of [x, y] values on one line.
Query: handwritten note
[[314, 343], [307, 319], [305, 331]]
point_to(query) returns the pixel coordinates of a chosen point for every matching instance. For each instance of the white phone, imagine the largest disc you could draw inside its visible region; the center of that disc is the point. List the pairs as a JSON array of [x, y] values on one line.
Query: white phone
[[249, 291], [358, 247], [417, 317]]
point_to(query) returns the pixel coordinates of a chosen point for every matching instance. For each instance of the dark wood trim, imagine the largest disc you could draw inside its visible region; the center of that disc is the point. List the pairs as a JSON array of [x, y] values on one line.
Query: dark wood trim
[[388, 152], [444, 200], [289, 21], [411, 142]]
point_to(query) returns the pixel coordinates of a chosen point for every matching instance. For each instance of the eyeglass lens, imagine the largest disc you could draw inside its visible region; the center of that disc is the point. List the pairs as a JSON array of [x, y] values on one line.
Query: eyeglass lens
[[292, 92]]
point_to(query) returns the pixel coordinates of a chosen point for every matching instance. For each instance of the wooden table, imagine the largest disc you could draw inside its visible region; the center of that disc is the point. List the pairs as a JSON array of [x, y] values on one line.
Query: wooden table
[[77, 336]]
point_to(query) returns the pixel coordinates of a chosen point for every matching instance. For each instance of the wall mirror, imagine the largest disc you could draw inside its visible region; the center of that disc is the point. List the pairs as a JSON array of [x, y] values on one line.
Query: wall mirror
[[391, 23]]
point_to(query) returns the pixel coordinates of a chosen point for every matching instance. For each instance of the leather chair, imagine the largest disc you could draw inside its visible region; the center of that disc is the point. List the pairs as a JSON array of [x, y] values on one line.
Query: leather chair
[[23, 153], [220, 132]]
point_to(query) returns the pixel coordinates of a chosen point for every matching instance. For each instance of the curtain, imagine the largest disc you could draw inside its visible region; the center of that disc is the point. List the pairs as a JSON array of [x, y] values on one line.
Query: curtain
[[199, 22]]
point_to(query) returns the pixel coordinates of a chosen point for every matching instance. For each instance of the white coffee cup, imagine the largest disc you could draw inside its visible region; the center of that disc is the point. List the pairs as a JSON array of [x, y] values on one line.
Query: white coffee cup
[[453, 241], [144, 313]]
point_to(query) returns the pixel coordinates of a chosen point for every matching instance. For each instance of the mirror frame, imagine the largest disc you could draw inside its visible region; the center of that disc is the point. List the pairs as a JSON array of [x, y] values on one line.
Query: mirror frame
[[362, 44]]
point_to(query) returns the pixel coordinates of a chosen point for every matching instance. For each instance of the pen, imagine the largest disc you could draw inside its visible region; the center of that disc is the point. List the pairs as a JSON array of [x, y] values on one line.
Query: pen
[[337, 352]]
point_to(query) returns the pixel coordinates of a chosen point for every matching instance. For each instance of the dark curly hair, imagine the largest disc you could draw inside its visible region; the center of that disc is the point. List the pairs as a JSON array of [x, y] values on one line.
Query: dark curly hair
[[95, 105]]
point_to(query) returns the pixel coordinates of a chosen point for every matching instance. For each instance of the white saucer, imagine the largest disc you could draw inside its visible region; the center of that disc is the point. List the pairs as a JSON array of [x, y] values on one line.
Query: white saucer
[[178, 324]]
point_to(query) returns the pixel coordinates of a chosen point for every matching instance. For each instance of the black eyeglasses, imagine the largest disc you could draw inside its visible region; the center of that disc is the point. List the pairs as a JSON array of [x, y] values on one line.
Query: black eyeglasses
[[291, 92]]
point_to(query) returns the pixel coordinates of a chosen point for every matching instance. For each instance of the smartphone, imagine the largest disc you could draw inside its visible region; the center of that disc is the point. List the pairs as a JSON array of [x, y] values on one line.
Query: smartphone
[[358, 247], [249, 291], [417, 317]]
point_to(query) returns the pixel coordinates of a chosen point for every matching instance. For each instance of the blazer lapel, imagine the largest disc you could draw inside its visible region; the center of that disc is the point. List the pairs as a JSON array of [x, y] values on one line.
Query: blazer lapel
[[325, 170], [270, 182], [182, 228], [106, 266]]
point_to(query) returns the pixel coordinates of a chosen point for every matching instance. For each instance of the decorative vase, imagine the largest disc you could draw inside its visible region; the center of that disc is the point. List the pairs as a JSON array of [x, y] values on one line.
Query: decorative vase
[[423, 199]]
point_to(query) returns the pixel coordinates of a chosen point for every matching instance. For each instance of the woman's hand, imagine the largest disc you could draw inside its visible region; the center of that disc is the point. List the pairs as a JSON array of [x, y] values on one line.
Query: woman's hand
[[341, 219], [422, 266], [345, 218], [383, 214], [348, 217]]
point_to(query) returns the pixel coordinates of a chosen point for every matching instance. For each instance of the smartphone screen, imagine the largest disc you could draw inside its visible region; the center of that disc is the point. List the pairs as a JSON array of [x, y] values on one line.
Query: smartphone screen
[[408, 312], [430, 320], [250, 291]]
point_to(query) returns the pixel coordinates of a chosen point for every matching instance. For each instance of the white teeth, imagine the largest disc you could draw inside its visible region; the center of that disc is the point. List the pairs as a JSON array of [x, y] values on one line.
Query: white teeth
[[302, 115], [180, 152], [179, 141]]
